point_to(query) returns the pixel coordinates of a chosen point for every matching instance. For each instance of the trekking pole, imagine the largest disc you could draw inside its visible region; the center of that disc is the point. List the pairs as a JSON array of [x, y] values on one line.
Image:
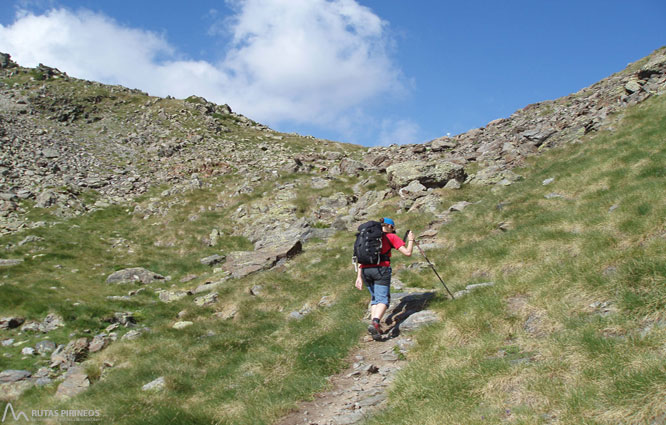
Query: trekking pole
[[431, 265]]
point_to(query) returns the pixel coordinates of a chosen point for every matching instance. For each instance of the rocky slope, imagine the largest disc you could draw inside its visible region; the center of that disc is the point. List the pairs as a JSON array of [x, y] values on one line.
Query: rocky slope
[[77, 145], [73, 146]]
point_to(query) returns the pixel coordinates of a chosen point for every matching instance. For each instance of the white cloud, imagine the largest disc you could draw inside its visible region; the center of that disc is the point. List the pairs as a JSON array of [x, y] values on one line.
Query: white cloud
[[302, 61], [400, 131]]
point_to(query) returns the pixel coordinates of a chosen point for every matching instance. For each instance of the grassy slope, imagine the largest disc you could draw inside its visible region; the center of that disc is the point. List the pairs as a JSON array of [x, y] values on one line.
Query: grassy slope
[[535, 348], [482, 364]]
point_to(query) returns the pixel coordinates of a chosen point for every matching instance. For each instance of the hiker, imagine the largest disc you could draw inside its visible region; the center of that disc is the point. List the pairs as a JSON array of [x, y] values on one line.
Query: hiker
[[377, 277]]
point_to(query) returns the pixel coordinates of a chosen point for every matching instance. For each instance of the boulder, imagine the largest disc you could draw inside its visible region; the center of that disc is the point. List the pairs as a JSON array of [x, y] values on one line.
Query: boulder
[[429, 174], [413, 190], [453, 184], [13, 390], [136, 274], [46, 199], [51, 322], [75, 351], [6, 60], [11, 322], [403, 305], [13, 375], [76, 381], [212, 260], [538, 135], [494, 175], [243, 263], [206, 300], [351, 167], [443, 143], [98, 343], [171, 296], [418, 320], [429, 203]]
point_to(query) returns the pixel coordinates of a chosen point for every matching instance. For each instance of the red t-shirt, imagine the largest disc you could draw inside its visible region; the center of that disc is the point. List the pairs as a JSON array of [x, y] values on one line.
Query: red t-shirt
[[389, 240]]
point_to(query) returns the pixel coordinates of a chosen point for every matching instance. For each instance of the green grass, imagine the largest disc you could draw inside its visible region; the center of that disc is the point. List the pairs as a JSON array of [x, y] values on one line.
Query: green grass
[[532, 349], [562, 255]]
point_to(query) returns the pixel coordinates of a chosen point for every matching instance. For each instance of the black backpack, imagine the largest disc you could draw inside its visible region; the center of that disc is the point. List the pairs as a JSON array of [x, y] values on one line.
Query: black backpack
[[368, 244]]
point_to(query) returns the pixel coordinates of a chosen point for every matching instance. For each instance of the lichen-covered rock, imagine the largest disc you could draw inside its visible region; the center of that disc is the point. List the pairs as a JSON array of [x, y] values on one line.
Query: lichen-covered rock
[[76, 381], [135, 274], [429, 174]]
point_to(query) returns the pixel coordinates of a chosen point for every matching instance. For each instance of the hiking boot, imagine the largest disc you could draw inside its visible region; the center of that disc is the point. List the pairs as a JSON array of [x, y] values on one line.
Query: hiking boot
[[375, 330]]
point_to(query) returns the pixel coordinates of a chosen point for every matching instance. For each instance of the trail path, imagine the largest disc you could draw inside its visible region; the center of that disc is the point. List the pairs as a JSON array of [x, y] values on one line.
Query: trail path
[[358, 391], [362, 388]]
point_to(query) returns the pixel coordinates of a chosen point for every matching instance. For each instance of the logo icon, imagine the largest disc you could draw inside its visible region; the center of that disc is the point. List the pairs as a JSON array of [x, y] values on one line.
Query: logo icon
[[16, 417]]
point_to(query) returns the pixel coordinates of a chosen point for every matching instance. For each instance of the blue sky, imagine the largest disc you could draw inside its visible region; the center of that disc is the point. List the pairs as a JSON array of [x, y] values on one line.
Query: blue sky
[[363, 71]]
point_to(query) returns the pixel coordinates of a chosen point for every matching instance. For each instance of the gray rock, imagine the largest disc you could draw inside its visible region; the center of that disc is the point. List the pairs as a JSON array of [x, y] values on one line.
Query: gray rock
[[30, 239], [10, 262], [156, 385], [459, 206], [538, 135], [429, 174], [443, 143], [75, 351], [13, 375], [349, 418], [135, 274], [229, 312], [351, 167], [124, 318], [44, 381], [132, 335], [6, 61], [212, 260], [13, 390], [76, 381], [548, 181], [44, 347], [243, 263], [295, 315], [182, 324], [214, 237], [98, 343], [493, 175], [50, 153], [413, 190], [632, 86], [430, 203], [11, 322], [326, 302], [206, 300], [208, 286], [51, 322], [418, 320], [453, 184], [30, 326], [472, 287], [171, 296], [46, 199], [28, 351]]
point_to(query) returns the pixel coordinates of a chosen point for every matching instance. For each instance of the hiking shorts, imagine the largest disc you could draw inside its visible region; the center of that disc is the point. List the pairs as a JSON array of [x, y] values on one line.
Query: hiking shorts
[[378, 282]]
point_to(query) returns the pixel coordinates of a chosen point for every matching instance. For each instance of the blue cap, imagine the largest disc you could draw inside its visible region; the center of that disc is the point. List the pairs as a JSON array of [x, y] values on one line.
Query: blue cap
[[389, 221]]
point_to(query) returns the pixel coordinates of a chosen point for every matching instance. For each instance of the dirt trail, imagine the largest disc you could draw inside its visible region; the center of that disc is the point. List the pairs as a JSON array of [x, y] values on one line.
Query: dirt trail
[[358, 391]]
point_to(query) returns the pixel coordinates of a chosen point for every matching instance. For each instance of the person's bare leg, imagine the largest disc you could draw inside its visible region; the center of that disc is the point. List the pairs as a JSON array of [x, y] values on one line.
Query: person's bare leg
[[378, 311]]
